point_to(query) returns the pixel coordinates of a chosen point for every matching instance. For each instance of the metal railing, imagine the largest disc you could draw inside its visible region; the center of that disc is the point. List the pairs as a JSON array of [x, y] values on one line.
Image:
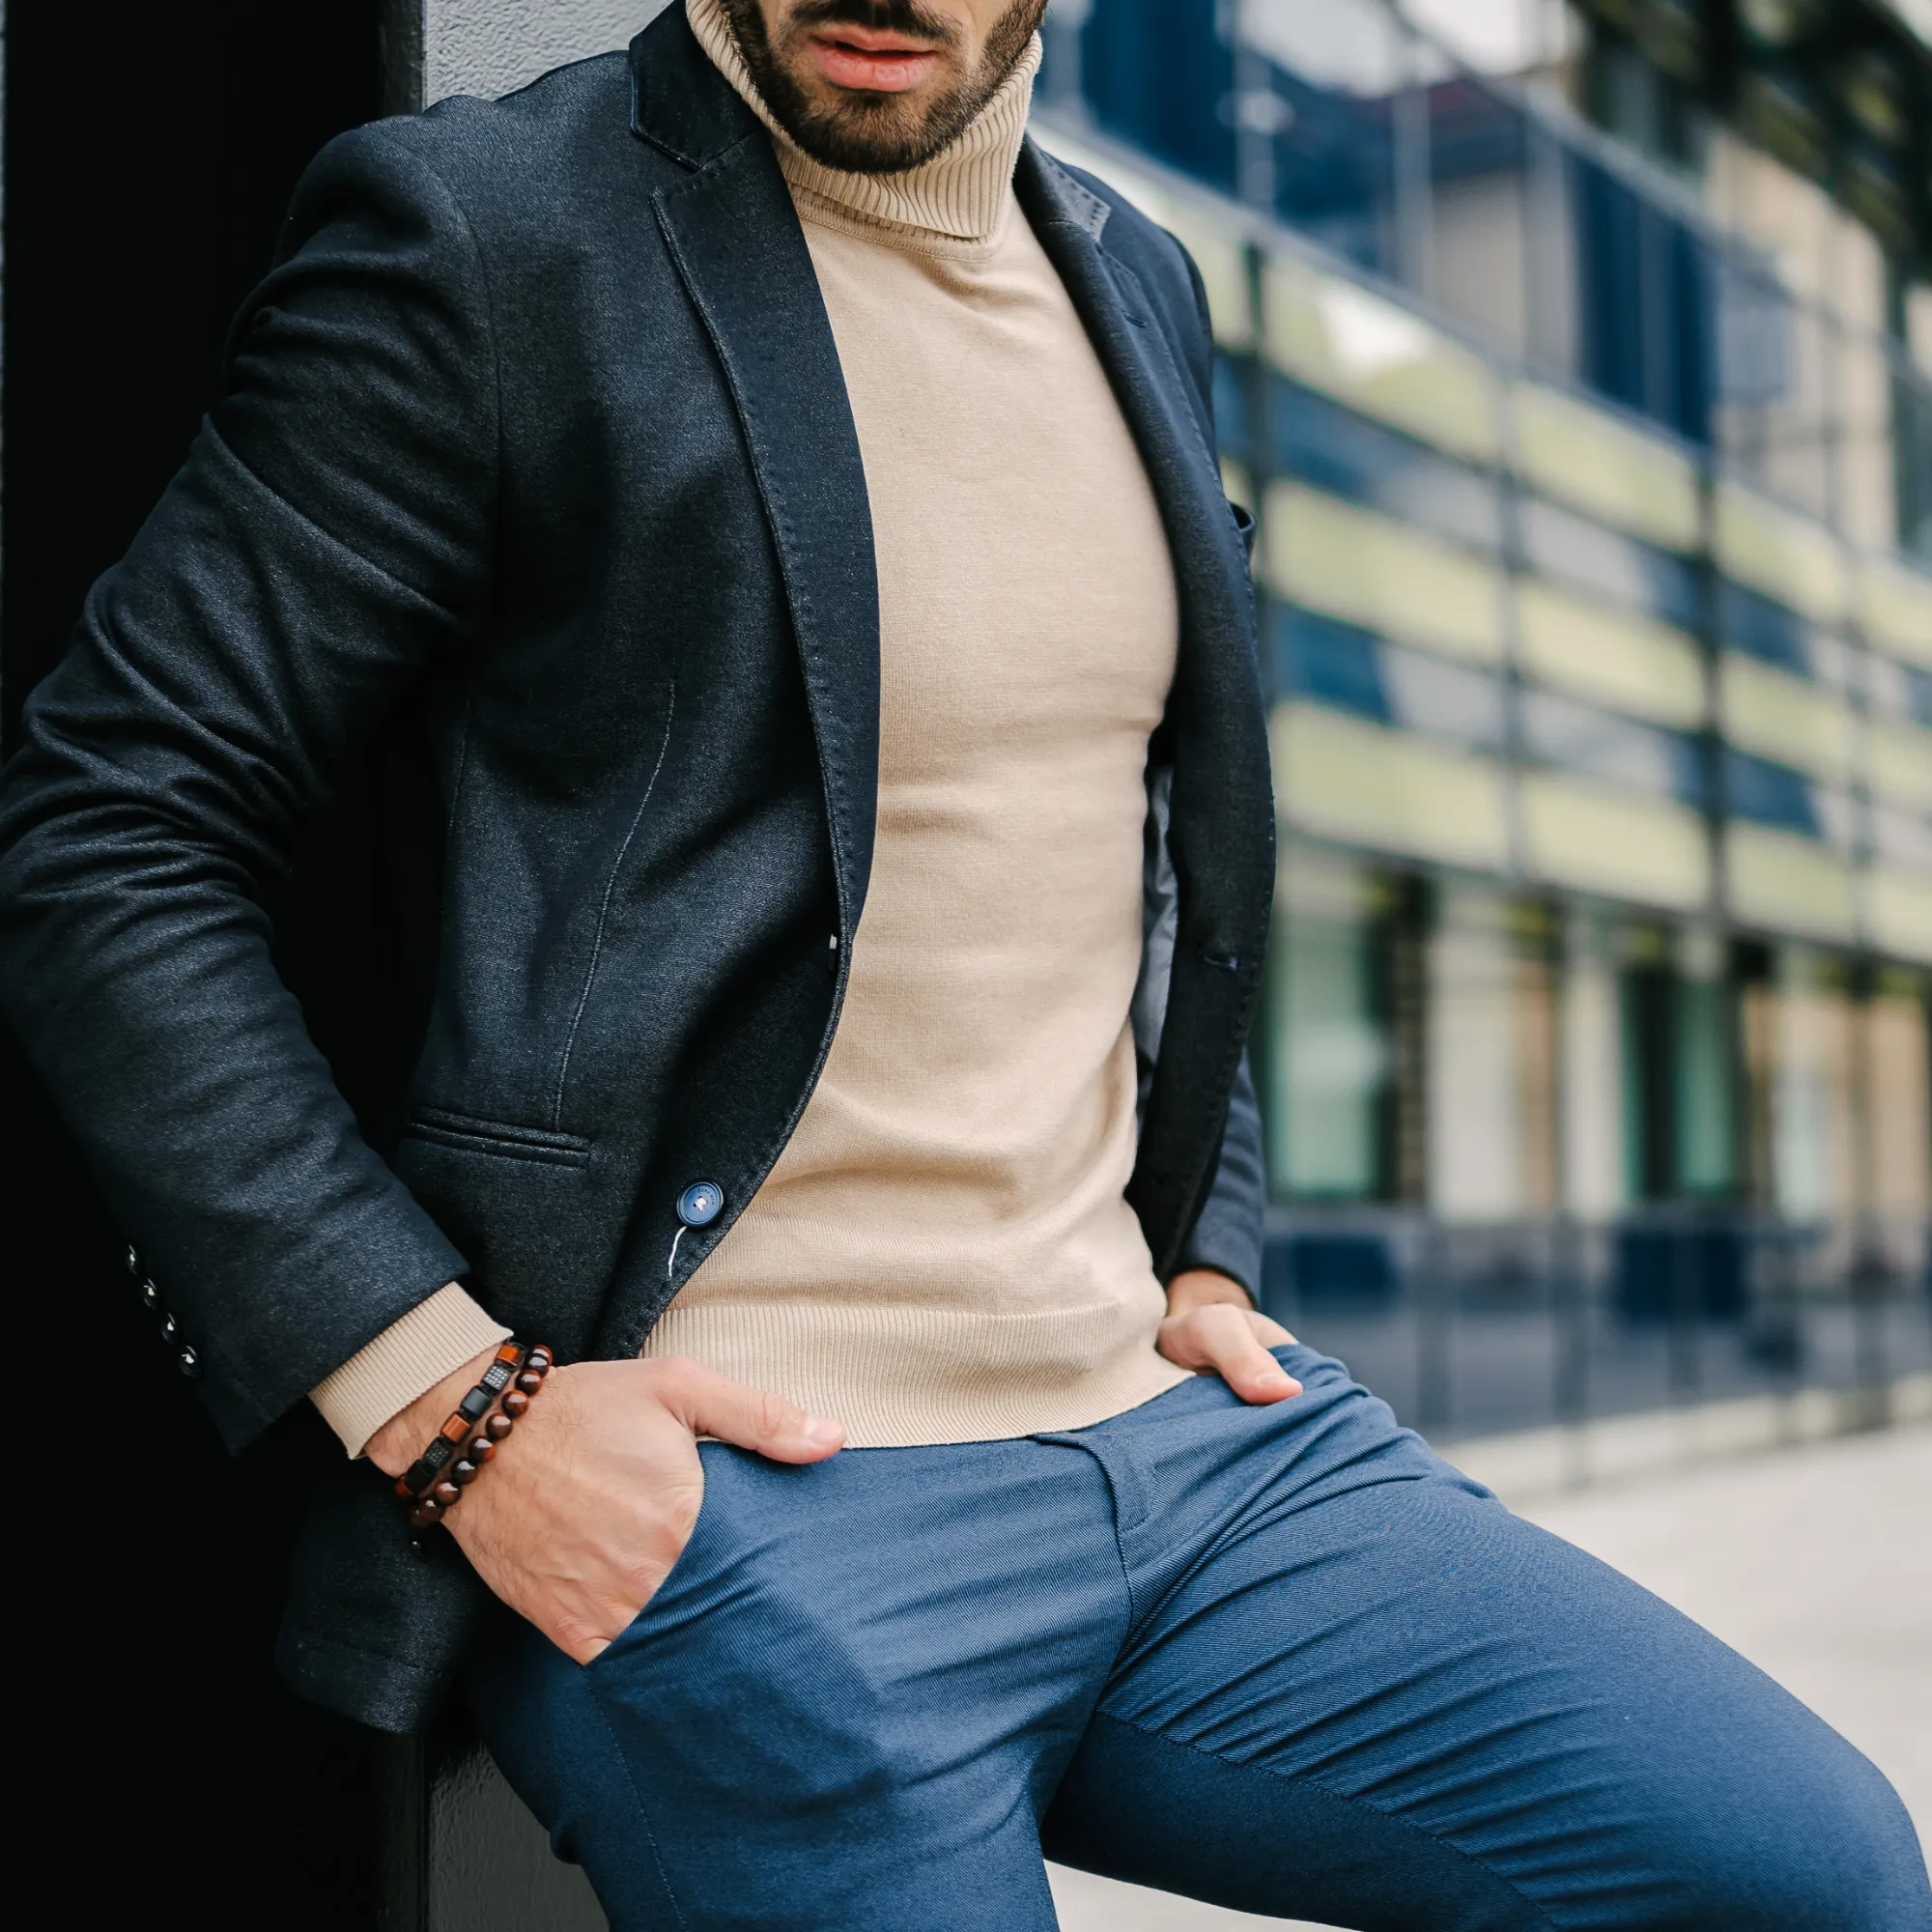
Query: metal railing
[[1470, 1330]]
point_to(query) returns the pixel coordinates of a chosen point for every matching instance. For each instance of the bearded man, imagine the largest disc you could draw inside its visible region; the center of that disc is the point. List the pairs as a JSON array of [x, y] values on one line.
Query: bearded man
[[789, 493]]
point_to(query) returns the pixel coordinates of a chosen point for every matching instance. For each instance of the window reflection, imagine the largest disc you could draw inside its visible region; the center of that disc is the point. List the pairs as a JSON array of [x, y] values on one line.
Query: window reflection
[[1562, 732], [1338, 450], [1637, 576]]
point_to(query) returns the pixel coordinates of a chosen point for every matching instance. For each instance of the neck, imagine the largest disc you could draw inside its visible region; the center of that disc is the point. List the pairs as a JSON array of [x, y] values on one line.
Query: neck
[[963, 192]]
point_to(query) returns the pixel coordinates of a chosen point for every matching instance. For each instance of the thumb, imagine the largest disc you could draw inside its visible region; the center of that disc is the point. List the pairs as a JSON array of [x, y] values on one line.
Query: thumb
[[752, 1419]]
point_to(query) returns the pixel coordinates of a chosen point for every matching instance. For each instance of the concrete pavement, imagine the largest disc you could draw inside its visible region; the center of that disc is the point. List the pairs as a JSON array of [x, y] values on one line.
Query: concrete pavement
[[1815, 1562]]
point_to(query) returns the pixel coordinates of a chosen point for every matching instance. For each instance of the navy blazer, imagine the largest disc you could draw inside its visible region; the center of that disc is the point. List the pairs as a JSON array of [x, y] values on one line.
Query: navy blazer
[[538, 423]]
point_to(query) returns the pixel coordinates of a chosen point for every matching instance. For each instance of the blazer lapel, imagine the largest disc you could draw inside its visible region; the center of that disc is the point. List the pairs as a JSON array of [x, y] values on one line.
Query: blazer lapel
[[1221, 837], [735, 238], [1155, 396]]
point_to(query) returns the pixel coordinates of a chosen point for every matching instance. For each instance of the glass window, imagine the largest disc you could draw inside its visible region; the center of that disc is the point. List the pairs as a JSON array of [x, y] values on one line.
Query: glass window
[[1904, 837], [1558, 731], [1170, 107], [1594, 1182], [1918, 694], [1783, 556], [1774, 388], [1803, 1044], [1480, 200], [1682, 1068], [1318, 119], [1706, 1087], [1346, 666], [1766, 629], [1325, 1050], [1648, 669], [1344, 779], [1911, 445], [1899, 762], [1378, 357], [1783, 717], [1596, 839], [1444, 699], [1332, 662], [1776, 881], [1646, 285], [1338, 450], [1895, 606], [1868, 507], [1639, 482], [1898, 913], [1492, 1052], [1898, 1109], [1897, 690], [1769, 794], [1572, 549], [1382, 575]]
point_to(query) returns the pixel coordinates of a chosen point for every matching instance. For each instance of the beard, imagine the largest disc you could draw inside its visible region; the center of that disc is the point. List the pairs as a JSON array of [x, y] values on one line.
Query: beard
[[878, 133]]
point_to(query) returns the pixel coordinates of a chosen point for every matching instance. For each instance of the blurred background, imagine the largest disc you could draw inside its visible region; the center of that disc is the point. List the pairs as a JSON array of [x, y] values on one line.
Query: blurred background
[[1577, 359]]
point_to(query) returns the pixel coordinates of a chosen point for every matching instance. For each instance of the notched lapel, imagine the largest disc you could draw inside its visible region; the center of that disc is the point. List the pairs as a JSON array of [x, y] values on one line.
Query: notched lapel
[[1222, 838], [1153, 387], [736, 241]]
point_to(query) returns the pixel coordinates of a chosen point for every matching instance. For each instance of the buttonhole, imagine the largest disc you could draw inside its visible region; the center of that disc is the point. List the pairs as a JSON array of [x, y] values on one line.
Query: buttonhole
[[1137, 322], [1222, 962]]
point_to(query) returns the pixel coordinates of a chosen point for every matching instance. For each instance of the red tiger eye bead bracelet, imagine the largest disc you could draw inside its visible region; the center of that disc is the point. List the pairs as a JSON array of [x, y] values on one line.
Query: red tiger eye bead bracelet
[[433, 1484]]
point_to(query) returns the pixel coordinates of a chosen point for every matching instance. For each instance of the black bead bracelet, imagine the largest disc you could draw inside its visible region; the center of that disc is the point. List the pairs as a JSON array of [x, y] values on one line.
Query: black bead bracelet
[[434, 1483]]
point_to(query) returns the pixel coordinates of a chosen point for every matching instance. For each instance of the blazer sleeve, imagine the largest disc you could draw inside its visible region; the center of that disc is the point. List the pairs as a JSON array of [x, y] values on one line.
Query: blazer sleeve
[[327, 538], [1228, 1233]]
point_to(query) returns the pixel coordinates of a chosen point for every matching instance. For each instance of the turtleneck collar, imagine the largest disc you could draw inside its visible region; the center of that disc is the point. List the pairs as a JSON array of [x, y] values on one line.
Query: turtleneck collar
[[962, 193]]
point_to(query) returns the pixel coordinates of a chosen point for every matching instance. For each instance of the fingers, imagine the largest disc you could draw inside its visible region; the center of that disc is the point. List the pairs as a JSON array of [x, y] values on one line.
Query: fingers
[[708, 1404], [1233, 1342]]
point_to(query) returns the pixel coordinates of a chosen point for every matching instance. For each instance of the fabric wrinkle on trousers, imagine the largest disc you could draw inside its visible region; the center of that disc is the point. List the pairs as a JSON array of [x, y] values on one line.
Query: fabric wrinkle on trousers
[[1284, 1658]]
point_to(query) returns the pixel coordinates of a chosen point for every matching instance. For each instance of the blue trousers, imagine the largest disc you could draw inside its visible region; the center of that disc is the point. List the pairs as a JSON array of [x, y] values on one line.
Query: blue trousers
[[1283, 1659]]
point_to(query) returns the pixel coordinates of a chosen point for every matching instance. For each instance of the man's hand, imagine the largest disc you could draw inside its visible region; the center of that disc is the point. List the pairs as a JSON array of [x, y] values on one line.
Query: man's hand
[[585, 1509], [1212, 1327]]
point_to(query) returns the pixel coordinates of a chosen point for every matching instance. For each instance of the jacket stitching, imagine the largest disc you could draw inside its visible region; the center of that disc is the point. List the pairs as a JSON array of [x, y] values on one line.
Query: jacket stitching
[[604, 912]]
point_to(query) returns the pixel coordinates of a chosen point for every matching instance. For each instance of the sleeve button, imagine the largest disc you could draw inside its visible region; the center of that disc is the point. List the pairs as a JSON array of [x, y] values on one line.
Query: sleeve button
[[188, 1363], [151, 1296]]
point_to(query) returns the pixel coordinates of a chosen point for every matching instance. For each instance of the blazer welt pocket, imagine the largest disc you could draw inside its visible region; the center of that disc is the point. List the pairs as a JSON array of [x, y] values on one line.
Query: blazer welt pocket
[[504, 1139]]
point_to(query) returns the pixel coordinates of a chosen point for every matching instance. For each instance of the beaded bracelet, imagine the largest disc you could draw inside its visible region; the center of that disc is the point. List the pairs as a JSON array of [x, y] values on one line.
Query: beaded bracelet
[[491, 1410]]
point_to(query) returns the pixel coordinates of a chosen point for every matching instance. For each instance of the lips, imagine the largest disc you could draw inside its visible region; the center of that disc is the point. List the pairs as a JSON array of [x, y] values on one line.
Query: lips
[[864, 59]]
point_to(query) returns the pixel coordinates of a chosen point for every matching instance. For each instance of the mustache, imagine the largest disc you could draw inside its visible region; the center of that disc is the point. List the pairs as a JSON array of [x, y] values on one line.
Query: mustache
[[885, 17]]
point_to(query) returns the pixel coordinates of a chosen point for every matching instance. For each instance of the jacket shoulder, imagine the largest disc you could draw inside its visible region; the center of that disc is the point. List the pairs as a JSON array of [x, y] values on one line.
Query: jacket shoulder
[[533, 154], [1162, 267], [1133, 236]]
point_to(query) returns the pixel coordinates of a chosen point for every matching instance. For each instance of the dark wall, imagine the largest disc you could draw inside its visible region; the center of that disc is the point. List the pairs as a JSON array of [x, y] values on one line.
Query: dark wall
[[150, 150]]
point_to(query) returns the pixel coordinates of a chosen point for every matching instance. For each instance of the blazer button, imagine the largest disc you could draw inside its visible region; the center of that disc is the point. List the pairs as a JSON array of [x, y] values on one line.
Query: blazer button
[[700, 1203], [188, 1363]]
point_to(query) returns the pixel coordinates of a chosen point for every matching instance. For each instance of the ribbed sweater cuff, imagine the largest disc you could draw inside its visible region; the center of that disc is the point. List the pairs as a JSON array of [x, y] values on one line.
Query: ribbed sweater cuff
[[410, 1356]]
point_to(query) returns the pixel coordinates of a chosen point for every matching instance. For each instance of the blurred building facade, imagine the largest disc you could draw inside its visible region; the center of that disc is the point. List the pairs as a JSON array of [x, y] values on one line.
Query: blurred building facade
[[1577, 362]]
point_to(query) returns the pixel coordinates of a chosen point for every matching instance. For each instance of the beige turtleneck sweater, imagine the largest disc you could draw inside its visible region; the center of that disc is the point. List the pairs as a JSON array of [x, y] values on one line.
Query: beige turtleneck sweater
[[942, 1252]]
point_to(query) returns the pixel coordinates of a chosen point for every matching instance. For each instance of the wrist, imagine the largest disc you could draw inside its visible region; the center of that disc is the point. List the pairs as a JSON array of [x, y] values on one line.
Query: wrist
[[1200, 1287], [402, 1437]]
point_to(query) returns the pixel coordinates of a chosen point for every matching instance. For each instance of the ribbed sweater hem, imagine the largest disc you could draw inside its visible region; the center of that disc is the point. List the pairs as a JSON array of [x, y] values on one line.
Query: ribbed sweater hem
[[908, 1377]]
